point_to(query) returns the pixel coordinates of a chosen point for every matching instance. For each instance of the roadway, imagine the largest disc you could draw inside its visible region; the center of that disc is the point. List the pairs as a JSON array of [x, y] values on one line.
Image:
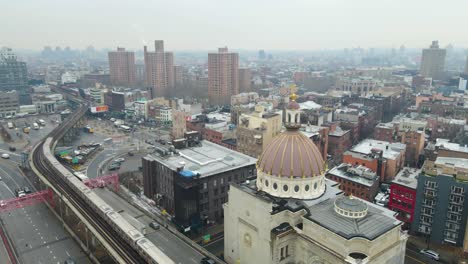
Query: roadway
[[171, 245], [36, 233], [414, 257]]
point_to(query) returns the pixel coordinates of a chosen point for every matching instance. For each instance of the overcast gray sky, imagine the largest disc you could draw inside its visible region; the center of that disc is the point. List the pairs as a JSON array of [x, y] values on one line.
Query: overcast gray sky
[[248, 24]]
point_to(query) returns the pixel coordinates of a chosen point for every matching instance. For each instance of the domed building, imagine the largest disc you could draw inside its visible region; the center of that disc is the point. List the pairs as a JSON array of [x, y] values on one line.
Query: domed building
[[291, 166], [291, 213]]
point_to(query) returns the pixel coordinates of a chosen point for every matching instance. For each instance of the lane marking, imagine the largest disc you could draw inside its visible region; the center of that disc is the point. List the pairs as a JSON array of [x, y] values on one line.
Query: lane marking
[[415, 259]]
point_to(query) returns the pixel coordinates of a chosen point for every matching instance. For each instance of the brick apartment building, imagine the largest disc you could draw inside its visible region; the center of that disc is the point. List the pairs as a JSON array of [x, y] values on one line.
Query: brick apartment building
[[385, 158], [357, 180], [339, 141], [403, 194]]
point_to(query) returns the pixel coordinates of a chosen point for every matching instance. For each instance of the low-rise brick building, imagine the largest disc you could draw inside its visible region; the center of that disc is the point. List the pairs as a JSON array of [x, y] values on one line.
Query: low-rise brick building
[[403, 194], [359, 181], [339, 141], [385, 158]]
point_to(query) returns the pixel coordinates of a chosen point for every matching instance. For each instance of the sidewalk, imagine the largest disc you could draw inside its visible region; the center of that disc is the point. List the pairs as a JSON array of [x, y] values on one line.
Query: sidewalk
[[448, 254], [215, 231]]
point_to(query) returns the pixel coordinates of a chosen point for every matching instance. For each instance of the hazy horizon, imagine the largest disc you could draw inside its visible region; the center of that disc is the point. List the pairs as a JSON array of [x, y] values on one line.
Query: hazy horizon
[[243, 25]]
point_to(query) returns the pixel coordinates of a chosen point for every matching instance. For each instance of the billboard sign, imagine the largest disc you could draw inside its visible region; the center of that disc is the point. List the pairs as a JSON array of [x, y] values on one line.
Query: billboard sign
[[99, 109]]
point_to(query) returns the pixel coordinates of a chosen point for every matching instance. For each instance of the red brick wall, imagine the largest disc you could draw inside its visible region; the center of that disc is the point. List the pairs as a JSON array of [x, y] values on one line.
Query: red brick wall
[[402, 200]]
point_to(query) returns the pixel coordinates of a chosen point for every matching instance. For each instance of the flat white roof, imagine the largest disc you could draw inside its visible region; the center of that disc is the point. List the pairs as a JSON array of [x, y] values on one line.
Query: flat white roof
[[390, 150], [455, 162], [446, 144], [407, 177], [207, 159]]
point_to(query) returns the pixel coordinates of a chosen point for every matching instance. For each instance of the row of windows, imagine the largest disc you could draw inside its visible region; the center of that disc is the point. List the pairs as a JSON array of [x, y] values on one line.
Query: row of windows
[[457, 199], [403, 204], [351, 214], [286, 186], [402, 193]]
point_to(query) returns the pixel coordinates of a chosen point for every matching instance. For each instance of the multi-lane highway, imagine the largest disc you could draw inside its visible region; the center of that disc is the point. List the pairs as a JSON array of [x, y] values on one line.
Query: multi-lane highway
[[37, 235]]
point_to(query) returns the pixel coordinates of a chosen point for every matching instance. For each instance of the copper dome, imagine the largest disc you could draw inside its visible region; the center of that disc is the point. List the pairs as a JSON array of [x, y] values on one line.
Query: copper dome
[[293, 105], [291, 154]]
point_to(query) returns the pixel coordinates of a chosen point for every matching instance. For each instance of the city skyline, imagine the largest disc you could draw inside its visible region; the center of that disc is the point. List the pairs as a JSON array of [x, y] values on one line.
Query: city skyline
[[298, 25]]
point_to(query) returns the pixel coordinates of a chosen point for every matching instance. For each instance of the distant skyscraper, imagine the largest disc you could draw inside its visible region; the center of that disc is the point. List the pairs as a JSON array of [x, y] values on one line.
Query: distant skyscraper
[[178, 74], [466, 66], [261, 55], [122, 67], [433, 61], [13, 75], [140, 73], [223, 79], [245, 80], [159, 66]]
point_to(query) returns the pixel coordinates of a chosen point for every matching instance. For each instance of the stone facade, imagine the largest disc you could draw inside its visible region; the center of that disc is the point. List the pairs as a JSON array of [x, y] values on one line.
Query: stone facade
[[252, 236]]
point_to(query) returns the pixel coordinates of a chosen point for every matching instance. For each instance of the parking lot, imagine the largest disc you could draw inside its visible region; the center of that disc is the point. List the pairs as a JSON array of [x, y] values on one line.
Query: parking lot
[[21, 140]]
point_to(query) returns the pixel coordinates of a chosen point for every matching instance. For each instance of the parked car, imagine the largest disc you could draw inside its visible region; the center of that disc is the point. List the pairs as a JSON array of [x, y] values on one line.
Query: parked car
[[5, 156], [207, 260], [430, 253], [26, 190], [114, 166], [11, 148], [131, 154], [19, 193], [69, 261]]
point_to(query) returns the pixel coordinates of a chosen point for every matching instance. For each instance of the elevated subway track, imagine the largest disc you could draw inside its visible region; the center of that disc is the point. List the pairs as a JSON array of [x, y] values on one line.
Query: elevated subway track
[[121, 250]]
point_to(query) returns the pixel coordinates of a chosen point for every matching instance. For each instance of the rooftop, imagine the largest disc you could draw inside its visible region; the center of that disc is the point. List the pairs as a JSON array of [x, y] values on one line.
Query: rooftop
[[388, 125], [377, 221], [338, 132], [458, 163], [446, 144], [407, 177], [310, 130], [360, 174], [390, 150], [322, 212], [206, 159], [309, 105]]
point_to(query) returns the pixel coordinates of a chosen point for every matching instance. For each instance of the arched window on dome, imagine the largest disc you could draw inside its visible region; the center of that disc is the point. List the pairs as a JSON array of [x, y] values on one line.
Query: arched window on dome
[[289, 118], [296, 118]]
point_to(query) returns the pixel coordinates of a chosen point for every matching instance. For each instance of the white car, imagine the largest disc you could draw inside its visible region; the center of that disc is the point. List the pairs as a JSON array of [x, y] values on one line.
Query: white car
[[430, 253], [119, 160], [5, 156]]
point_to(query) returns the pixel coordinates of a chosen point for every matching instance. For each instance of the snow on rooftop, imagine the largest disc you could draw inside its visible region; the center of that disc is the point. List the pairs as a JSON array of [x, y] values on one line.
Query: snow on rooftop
[[309, 105], [390, 150], [446, 144], [455, 162]]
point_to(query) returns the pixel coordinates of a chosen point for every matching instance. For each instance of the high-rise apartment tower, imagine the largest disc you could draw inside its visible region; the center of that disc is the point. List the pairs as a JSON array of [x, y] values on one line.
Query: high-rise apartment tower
[[159, 66], [122, 67], [223, 75], [433, 61]]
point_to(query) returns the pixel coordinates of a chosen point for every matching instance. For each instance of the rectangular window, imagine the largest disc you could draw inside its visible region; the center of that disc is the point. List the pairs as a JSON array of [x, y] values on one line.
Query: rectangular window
[[214, 183], [457, 190], [284, 252]]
